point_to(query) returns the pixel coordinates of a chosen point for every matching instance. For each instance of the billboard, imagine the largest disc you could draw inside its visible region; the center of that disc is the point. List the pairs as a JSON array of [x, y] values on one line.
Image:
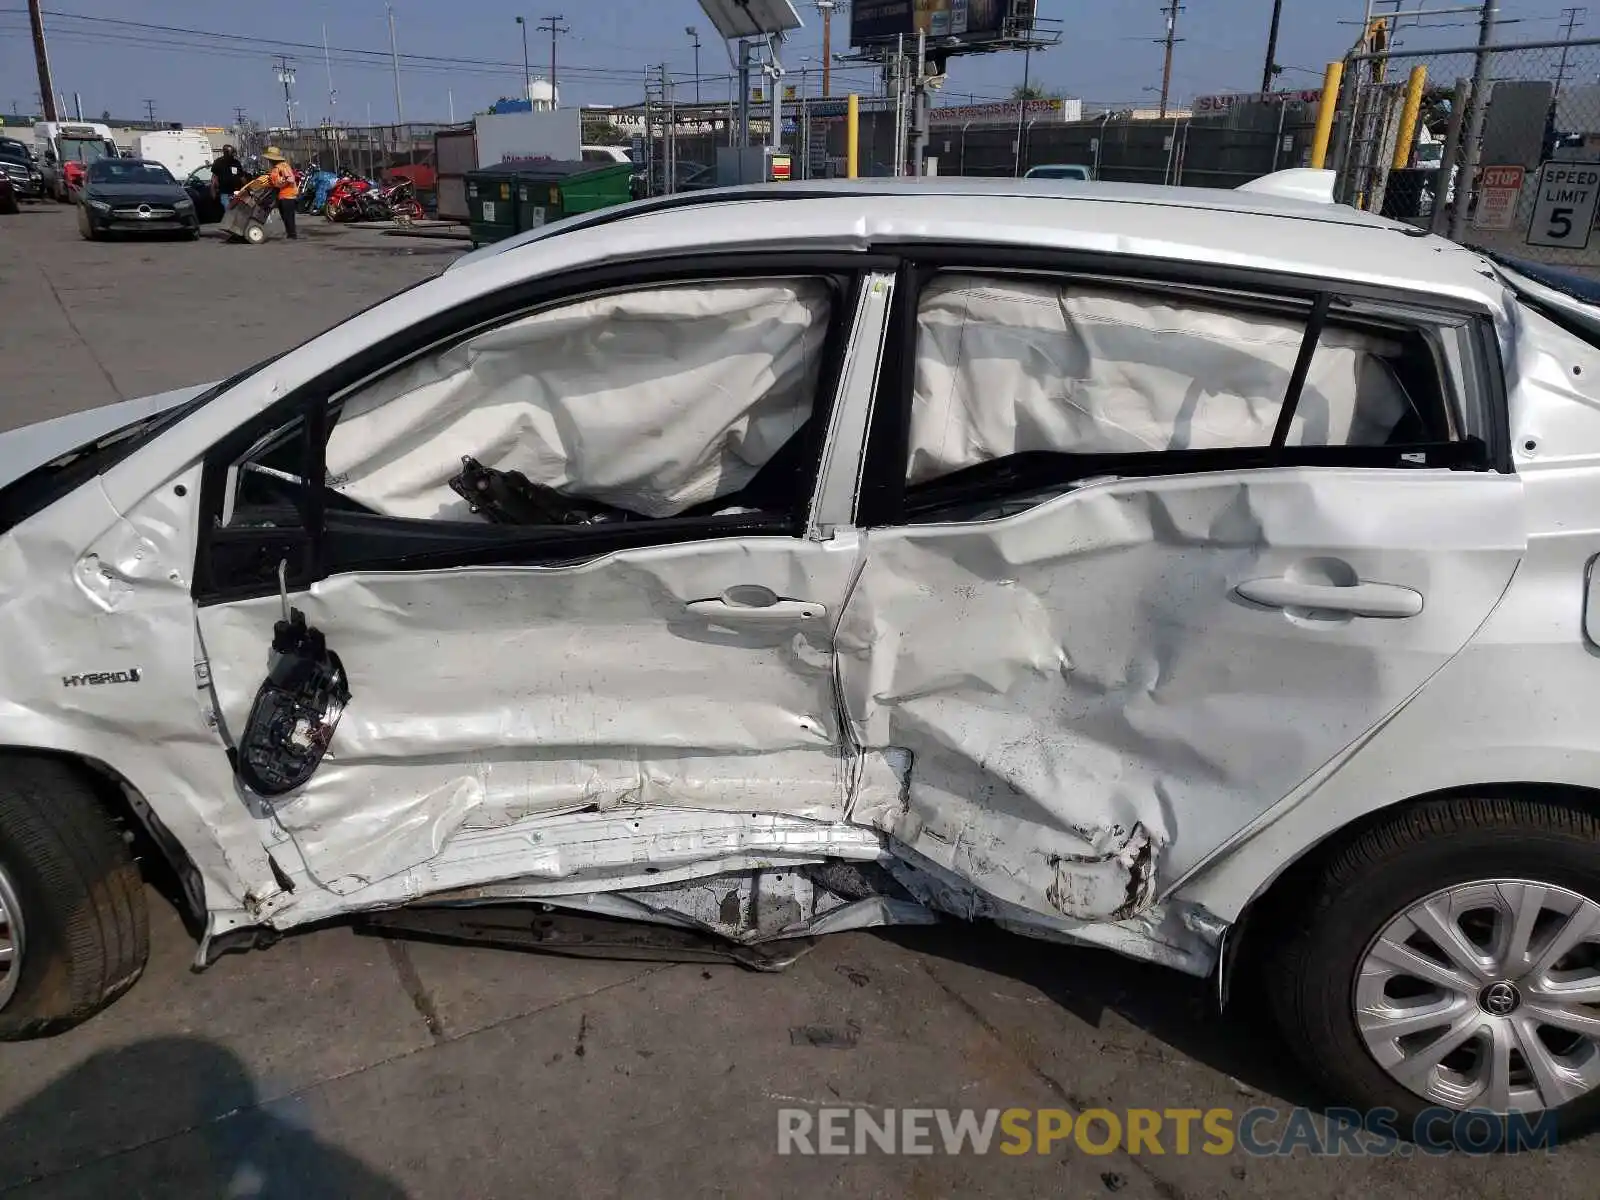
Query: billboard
[[874, 21]]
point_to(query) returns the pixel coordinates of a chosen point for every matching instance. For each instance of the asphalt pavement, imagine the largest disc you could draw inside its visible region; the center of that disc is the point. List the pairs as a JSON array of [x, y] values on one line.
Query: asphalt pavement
[[340, 1064]]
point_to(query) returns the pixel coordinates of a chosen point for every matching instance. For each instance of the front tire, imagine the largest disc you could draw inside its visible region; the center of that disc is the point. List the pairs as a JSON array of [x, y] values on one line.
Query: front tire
[[1448, 960], [74, 932]]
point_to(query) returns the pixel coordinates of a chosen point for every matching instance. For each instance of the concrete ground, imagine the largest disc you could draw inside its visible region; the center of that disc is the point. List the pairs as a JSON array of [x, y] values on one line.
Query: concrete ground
[[338, 1064]]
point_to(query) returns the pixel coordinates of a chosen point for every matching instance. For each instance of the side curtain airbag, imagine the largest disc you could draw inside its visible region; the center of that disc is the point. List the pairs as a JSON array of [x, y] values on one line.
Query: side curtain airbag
[[653, 401], [1006, 366]]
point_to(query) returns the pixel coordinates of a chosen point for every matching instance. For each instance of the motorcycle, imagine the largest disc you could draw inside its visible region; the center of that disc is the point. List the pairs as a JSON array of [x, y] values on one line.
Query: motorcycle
[[314, 190], [398, 202], [342, 198]]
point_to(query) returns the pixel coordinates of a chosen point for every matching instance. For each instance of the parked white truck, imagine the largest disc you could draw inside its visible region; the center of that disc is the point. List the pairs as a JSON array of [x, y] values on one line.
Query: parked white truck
[[181, 151]]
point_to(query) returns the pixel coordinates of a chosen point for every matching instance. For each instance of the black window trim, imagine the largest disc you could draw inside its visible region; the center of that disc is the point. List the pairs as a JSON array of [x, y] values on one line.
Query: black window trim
[[302, 541], [883, 497]]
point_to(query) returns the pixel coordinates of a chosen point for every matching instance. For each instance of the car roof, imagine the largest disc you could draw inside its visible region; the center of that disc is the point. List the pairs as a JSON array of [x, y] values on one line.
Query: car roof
[[1250, 230]]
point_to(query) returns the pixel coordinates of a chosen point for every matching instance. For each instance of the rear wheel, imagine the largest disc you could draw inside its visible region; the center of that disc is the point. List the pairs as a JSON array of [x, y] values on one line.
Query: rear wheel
[[73, 927], [1447, 961]]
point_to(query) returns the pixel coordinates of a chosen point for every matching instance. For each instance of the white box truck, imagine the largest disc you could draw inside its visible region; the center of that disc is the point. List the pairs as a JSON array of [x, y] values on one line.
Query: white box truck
[[181, 151]]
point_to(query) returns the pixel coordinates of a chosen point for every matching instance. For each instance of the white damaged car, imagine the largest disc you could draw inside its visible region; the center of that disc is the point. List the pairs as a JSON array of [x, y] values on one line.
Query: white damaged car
[[1204, 575]]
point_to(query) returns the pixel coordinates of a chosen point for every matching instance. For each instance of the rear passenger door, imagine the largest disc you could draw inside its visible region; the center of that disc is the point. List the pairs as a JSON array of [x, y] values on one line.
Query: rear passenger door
[[1146, 554]]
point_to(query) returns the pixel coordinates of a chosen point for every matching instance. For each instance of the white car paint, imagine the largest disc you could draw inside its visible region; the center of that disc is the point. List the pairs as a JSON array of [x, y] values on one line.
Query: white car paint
[[1151, 837]]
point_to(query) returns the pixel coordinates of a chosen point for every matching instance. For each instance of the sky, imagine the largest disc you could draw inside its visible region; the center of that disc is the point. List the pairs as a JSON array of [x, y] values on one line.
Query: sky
[[1108, 52]]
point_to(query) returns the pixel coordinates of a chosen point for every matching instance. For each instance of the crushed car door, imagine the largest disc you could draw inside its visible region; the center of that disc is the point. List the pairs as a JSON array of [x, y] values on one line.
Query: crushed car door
[[560, 564], [1144, 559]]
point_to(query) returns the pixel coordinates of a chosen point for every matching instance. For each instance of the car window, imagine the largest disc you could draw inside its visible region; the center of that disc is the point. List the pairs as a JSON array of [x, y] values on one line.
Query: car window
[[200, 175], [673, 401], [1080, 375], [15, 151]]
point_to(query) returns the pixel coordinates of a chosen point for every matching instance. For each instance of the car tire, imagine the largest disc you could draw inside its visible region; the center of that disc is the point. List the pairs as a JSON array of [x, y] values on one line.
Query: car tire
[[75, 918], [1322, 971]]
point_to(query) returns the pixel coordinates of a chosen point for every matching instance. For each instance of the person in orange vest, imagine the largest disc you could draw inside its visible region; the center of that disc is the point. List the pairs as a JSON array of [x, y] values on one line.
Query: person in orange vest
[[281, 176]]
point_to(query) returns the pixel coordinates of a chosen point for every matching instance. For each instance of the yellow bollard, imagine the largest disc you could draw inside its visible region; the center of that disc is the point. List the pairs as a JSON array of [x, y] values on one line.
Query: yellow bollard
[[1408, 118], [852, 134], [1325, 111]]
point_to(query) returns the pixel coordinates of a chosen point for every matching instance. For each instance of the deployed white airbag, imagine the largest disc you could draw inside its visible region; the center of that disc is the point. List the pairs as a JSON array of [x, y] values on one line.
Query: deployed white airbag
[[653, 401], [1006, 366]]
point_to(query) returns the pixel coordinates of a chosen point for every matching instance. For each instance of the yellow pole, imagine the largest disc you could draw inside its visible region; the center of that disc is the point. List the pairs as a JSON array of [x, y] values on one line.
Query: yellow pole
[[1325, 111], [852, 134], [1408, 118]]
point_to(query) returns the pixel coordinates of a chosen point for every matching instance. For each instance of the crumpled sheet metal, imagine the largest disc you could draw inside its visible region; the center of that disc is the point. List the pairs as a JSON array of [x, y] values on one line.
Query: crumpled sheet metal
[[87, 591], [653, 401], [1088, 707], [528, 690], [1006, 365]]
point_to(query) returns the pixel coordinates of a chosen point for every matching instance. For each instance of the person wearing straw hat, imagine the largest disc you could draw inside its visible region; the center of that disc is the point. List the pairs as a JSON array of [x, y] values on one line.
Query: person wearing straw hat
[[281, 177]]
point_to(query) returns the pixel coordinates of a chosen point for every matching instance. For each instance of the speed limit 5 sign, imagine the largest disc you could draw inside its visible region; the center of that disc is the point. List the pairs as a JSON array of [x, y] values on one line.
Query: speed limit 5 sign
[[1563, 213]]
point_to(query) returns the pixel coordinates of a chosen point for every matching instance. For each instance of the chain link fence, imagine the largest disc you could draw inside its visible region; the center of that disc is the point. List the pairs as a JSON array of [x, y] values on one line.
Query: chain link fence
[[1511, 164], [1221, 150]]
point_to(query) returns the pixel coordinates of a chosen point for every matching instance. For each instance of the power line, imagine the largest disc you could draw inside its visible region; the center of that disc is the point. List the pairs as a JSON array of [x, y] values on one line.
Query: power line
[[274, 45]]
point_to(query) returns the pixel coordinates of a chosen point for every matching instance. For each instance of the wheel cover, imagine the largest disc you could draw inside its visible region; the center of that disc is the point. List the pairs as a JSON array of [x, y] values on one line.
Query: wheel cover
[[1486, 995], [11, 939]]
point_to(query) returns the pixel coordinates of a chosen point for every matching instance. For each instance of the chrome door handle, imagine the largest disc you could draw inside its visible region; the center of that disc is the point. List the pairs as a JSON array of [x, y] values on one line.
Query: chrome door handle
[[1385, 600], [754, 605]]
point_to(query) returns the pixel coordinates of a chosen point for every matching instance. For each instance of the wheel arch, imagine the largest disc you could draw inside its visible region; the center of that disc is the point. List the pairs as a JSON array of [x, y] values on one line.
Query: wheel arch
[[1262, 917], [175, 872]]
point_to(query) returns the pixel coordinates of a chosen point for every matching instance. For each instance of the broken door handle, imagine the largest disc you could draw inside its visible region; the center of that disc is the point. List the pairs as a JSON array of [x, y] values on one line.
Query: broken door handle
[[1359, 600], [778, 612]]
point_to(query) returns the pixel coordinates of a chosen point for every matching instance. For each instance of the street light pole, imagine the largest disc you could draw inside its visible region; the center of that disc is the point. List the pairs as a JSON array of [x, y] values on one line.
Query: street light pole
[[527, 76]]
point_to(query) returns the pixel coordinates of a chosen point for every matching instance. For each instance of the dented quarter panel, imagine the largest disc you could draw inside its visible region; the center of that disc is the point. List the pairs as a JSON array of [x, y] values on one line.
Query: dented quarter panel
[[1089, 707]]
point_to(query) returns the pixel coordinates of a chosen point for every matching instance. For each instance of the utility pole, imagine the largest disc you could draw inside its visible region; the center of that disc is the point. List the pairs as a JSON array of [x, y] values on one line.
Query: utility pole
[[1269, 75], [919, 111], [238, 117], [1480, 108], [394, 58], [41, 58], [285, 69], [150, 111], [1022, 110], [695, 34], [554, 27], [1574, 17], [527, 75], [825, 7], [1172, 39]]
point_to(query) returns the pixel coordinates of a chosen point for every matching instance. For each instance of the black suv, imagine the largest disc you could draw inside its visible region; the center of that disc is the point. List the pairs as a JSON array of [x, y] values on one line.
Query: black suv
[[18, 164]]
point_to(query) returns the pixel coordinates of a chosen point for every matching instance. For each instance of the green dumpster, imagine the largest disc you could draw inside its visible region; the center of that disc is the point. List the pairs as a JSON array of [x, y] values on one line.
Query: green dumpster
[[548, 191], [492, 203]]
